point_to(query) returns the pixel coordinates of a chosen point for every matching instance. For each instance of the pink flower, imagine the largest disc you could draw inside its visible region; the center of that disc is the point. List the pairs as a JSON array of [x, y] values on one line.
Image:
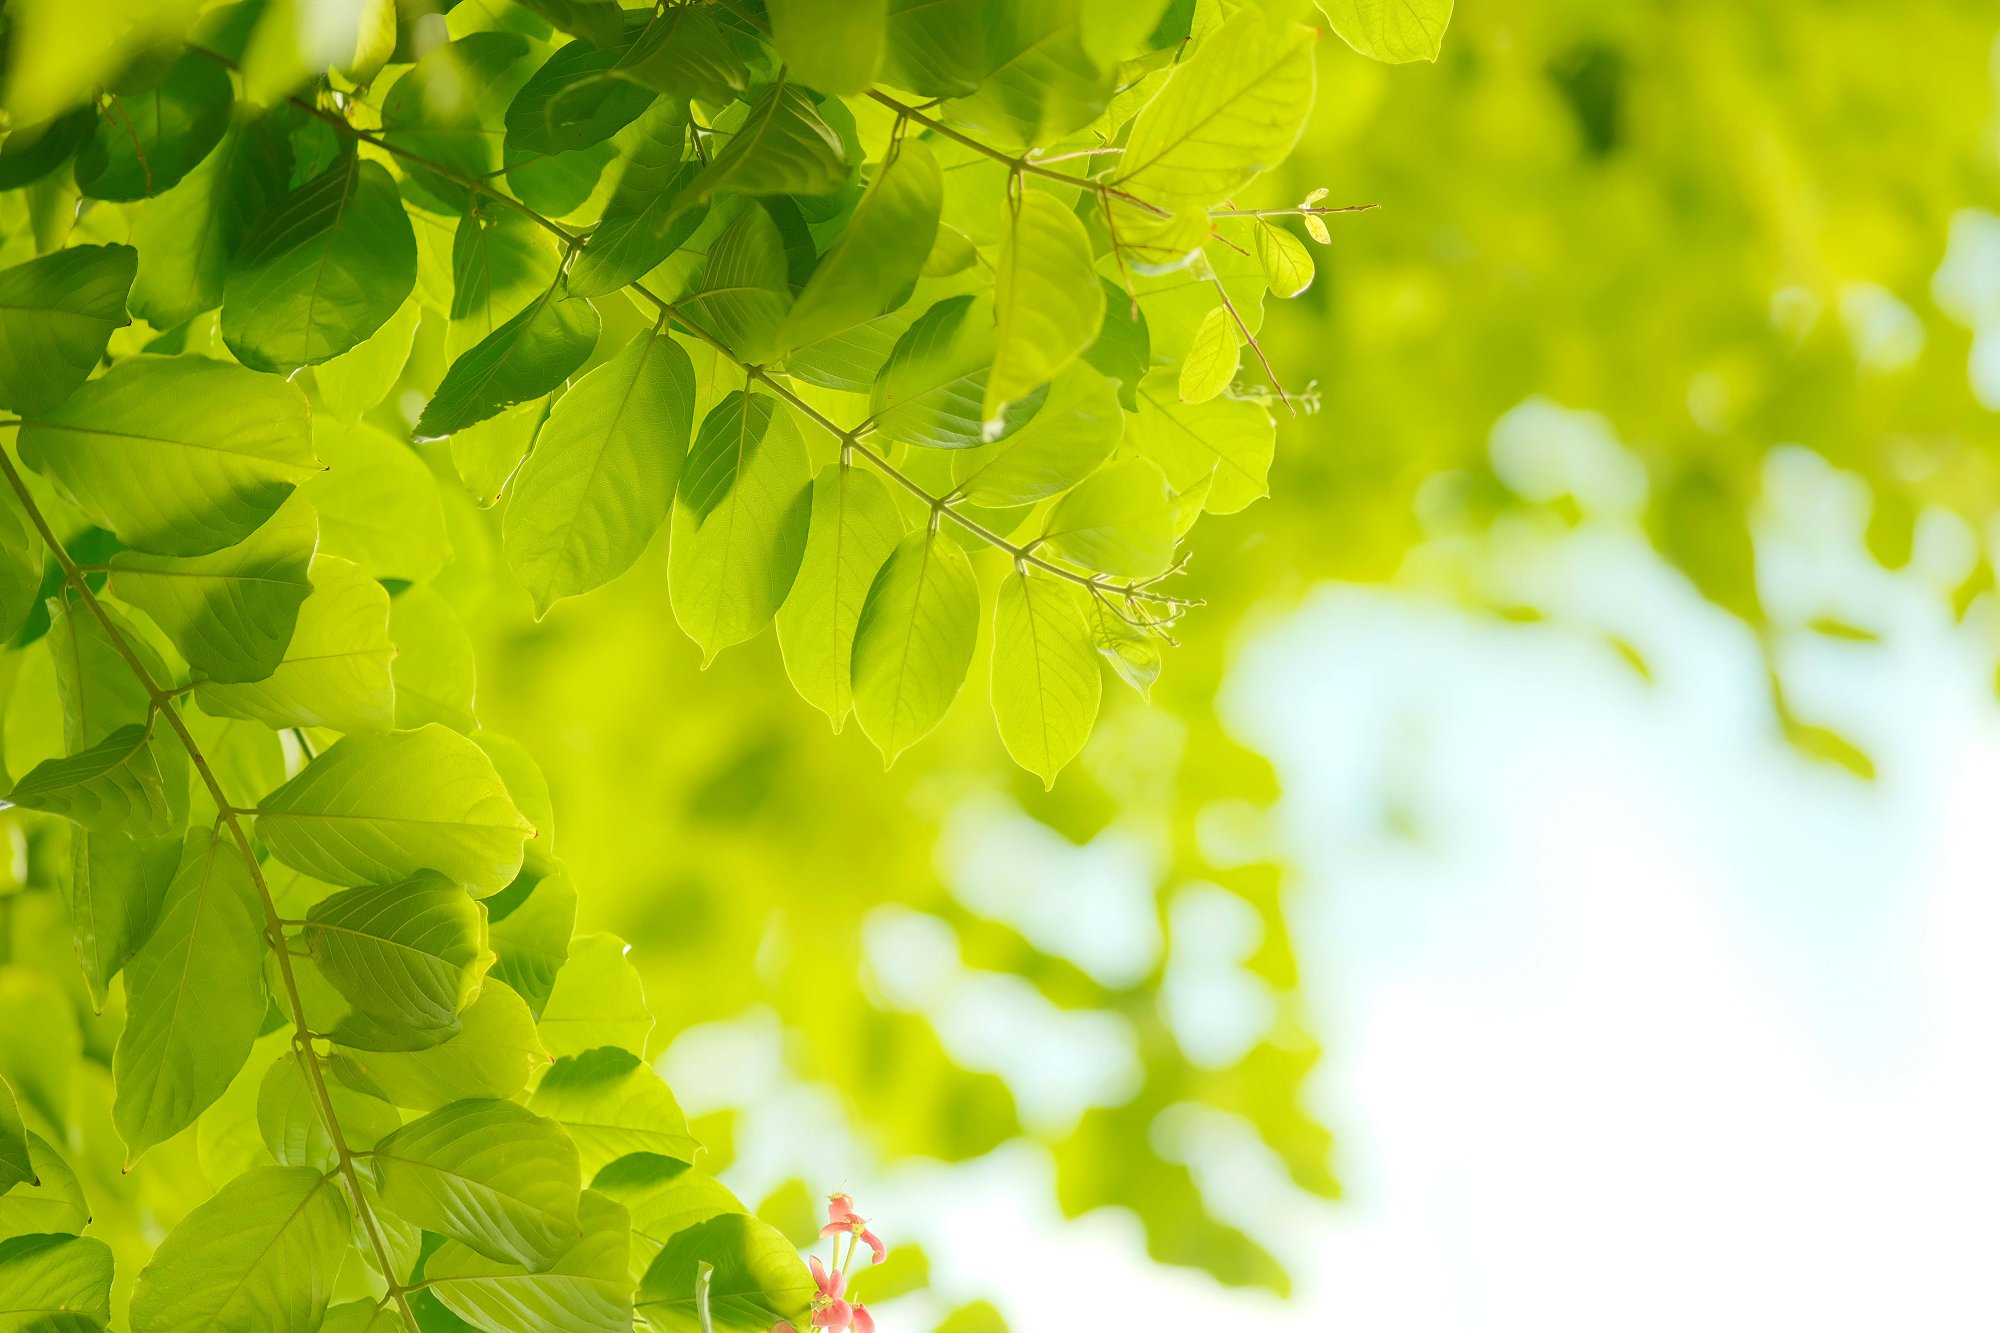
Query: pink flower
[[863, 1321], [842, 1220], [829, 1311]]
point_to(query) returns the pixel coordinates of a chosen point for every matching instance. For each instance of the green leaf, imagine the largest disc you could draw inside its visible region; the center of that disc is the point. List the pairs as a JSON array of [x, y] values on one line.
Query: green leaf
[[684, 52], [194, 996], [851, 359], [664, 1196], [258, 1257], [938, 47], [177, 455], [758, 1279], [492, 1055], [411, 954], [834, 48], [51, 1204], [914, 641], [1116, 521], [1287, 264], [612, 1103], [1076, 429], [1230, 111], [1124, 346], [853, 529], [528, 356], [531, 933], [378, 504], [601, 21], [449, 107], [99, 690], [636, 235], [597, 1000], [324, 269], [31, 152], [21, 555], [364, 375], [1046, 686], [487, 455], [782, 147], [1037, 80], [743, 294], [118, 785], [932, 390], [335, 671], [588, 1289], [501, 263], [1394, 31], [54, 1284], [293, 1126], [602, 477], [231, 613], [879, 252], [378, 809], [1210, 366], [16, 1167], [435, 672], [56, 317], [188, 235], [1226, 439], [490, 1174], [740, 518], [145, 142], [573, 101]]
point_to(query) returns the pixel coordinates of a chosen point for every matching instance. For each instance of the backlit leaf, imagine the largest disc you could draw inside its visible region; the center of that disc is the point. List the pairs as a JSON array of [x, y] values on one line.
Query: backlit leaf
[[1227, 439], [118, 785], [54, 1284], [1395, 31], [854, 527], [1116, 521], [410, 954], [1046, 685], [56, 315], [932, 390], [880, 252], [587, 1289], [914, 641], [1211, 362], [758, 1279], [146, 141], [335, 671], [598, 1000], [489, 1174], [612, 1103], [524, 358], [1076, 429], [492, 1055]]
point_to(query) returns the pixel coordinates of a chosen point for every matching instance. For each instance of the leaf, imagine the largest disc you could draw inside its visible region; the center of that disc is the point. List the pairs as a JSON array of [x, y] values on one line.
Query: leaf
[[602, 477], [588, 1289], [335, 671], [194, 996], [187, 236], [1076, 429], [54, 1284], [853, 529], [488, 454], [782, 147], [932, 389], [528, 356], [914, 641], [532, 935], [320, 272], [743, 295], [118, 785], [879, 252], [633, 238], [435, 673], [230, 613], [52, 1203], [116, 886], [366, 373], [1230, 111], [758, 1278], [1116, 521], [1288, 267], [293, 1126], [56, 317], [378, 809], [258, 1257], [612, 1103], [598, 1000], [1124, 346], [15, 1165], [32, 151], [21, 556], [1394, 31], [146, 142], [492, 1055], [683, 52], [1046, 686], [489, 1174], [448, 110], [1037, 80], [598, 20], [177, 455], [410, 954], [501, 264], [1211, 362], [1227, 439], [834, 48], [664, 1197], [378, 504], [740, 518], [573, 101]]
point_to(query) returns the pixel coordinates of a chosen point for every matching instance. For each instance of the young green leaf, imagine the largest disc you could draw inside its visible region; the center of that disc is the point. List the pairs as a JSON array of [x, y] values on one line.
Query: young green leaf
[[21, 554], [258, 1257], [601, 21], [528, 356], [194, 996], [231, 613], [601, 480], [1077, 428], [487, 455], [914, 641], [1048, 303], [1394, 31], [1211, 362], [531, 933], [684, 52], [61, 1284], [1046, 686], [588, 1289], [1124, 346], [853, 529], [573, 101], [492, 1055], [880, 252], [409, 954], [664, 1197], [119, 785], [145, 142], [1288, 268], [740, 518], [492, 1175], [598, 1000], [758, 1280], [377, 809], [1117, 521], [501, 263], [335, 671], [449, 107], [177, 455], [1227, 439], [324, 269], [612, 1103], [56, 317]]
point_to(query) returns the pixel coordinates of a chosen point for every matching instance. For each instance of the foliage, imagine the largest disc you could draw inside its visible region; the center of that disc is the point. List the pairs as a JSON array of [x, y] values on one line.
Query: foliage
[[879, 324]]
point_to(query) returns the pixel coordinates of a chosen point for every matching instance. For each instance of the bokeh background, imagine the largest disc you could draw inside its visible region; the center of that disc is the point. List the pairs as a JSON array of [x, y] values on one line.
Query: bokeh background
[[1553, 884]]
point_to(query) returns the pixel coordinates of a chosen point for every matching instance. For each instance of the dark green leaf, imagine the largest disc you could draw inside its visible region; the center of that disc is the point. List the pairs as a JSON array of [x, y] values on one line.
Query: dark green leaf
[[56, 316], [145, 142], [524, 358], [758, 1279]]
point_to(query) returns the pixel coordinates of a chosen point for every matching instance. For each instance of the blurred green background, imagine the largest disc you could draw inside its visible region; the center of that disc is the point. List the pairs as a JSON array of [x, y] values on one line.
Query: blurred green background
[[1632, 264]]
